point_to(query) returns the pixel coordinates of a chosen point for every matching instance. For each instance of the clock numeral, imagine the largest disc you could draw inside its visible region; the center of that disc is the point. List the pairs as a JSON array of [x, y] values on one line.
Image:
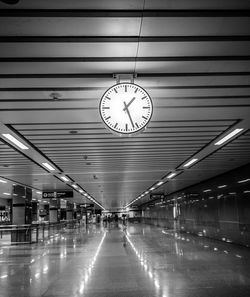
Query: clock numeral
[[115, 125], [107, 118], [106, 107], [144, 117], [125, 88], [126, 127], [115, 90], [136, 90], [143, 97], [108, 98], [146, 107], [136, 125]]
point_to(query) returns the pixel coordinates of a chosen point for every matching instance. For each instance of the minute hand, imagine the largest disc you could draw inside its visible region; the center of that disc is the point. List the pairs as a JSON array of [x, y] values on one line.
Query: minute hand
[[128, 113], [127, 105]]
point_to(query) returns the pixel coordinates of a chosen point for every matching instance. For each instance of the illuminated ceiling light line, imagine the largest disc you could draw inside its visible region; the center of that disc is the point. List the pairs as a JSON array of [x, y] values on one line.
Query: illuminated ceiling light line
[[160, 183], [192, 161], [171, 175], [222, 186], [15, 141], [48, 166], [64, 178], [243, 181], [228, 136], [3, 181]]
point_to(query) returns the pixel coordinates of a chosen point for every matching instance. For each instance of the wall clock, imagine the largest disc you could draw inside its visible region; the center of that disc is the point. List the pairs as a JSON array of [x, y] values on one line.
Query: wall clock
[[126, 108]]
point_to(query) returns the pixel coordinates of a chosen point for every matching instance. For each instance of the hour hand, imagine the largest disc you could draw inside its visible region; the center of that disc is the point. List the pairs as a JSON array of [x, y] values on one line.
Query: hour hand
[[127, 105]]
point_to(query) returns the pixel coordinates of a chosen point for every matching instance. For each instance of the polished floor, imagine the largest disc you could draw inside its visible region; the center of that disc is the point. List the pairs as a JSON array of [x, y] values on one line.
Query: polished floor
[[139, 261]]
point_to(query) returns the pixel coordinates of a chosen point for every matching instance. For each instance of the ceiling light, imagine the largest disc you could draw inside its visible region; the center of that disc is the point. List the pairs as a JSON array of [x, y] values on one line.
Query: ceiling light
[[160, 183], [64, 178], [190, 162], [8, 194], [81, 191], [15, 141], [152, 189], [171, 175], [38, 192], [146, 192], [222, 186], [208, 190], [3, 181], [244, 180], [228, 136], [48, 166], [75, 186]]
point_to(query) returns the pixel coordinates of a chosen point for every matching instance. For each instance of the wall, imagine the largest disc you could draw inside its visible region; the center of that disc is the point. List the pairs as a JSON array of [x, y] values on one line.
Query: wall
[[207, 209]]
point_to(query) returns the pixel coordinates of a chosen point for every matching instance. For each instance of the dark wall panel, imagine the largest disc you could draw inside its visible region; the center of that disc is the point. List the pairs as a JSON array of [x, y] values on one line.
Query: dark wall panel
[[221, 213]]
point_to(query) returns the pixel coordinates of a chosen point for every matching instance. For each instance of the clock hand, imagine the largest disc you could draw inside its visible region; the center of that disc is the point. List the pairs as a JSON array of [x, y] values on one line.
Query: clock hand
[[127, 105], [129, 115]]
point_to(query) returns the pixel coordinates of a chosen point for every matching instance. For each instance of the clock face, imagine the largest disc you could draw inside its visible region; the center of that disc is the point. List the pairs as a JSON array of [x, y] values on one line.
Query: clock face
[[126, 108]]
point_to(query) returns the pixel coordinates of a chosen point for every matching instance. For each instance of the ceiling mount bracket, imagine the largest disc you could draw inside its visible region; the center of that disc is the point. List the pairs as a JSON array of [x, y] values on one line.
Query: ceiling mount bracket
[[124, 77]]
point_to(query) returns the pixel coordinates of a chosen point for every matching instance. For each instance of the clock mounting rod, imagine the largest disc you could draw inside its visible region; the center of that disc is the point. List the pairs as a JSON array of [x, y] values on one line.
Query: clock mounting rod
[[124, 77]]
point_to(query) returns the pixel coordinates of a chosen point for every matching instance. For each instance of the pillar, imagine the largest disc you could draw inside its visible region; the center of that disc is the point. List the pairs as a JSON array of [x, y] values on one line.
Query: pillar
[[54, 210], [69, 209]]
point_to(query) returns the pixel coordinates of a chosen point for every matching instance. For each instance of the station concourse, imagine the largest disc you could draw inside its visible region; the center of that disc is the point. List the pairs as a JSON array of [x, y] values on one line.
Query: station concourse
[[124, 148]]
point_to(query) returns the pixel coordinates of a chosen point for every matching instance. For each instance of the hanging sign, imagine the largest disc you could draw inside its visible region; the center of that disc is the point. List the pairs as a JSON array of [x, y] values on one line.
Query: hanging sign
[[61, 194]]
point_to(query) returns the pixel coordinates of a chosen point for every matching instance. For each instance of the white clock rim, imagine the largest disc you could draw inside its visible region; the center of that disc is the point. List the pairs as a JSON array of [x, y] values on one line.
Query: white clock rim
[[129, 132]]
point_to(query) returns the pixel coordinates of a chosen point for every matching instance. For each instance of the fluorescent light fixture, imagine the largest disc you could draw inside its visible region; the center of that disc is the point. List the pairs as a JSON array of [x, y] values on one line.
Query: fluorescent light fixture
[[243, 181], [38, 192], [81, 191], [159, 183], [171, 175], [222, 186], [48, 166], [247, 191], [8, 194], [75, 186], [64, 178], [15, 141], [208, 190], [146, 192], [3, 181], [151, 189], [228, 136], [190, 162]]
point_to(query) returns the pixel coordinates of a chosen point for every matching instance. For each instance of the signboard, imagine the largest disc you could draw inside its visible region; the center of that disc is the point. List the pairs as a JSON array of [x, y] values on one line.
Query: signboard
[[157, 196], [61, 194]]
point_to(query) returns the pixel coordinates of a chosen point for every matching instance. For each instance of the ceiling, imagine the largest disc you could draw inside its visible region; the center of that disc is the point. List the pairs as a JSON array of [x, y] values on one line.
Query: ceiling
[[192, 57]]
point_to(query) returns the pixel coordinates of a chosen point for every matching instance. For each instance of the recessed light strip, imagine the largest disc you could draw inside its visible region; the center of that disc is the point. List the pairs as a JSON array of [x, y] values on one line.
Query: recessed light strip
[[64, 178], [160, 183], [48, 166], [243, 181], [171, 175], [228, 136], [190, 162], [15, 141], [3, 181]]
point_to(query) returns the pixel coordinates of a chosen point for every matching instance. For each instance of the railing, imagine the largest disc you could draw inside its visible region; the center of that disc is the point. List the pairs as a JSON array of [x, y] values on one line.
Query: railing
[[32, 233]]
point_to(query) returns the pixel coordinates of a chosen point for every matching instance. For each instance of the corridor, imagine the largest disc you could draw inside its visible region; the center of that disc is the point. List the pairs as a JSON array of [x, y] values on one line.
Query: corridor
[[140, 261]]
